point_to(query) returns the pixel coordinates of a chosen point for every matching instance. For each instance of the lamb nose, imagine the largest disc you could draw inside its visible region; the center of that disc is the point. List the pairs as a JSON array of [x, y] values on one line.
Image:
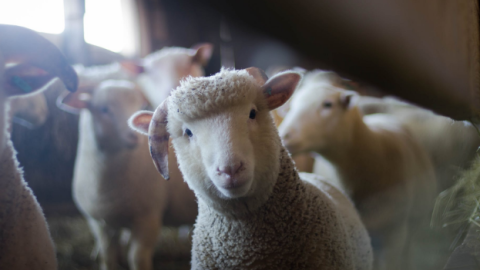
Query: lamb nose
[[230, 170]]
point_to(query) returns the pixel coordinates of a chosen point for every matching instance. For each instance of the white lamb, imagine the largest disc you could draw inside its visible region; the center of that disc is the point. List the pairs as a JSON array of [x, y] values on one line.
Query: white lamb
[[25, 241], [115, 184], [254, 211], [387, 174]]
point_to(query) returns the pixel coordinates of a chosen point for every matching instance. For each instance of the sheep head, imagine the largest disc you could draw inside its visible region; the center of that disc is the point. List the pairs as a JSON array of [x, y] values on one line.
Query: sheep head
[[110, 104], [224, 137], [318, 118], [164, 69]]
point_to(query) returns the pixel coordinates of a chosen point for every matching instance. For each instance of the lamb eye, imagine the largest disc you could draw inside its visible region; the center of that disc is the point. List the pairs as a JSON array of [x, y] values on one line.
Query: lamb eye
[[327, 104], [253, 114], [188, 132]]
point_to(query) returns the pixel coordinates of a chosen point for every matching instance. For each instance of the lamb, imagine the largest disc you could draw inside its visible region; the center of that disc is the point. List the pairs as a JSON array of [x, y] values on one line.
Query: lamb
[[254, 210], [25, 239], [115, 185], [383, 168]]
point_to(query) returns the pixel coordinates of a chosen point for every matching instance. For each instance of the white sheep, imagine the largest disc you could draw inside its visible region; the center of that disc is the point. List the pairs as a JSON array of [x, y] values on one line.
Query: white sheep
[[115, 184], [254, 210], [387, 174], [451, 145], [25, 241]]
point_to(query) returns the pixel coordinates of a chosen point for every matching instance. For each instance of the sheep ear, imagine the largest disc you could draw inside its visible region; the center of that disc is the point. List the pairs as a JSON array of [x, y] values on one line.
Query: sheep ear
[[279, 88], [134, 67], [38, 61], [140, 121], [203, 53], [158, 139], [74, 102], [346, 99], [24, 79], [258, 74]]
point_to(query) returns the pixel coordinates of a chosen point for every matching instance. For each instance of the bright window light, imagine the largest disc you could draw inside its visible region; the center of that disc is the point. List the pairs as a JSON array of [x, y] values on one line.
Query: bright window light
[[40, 15], [103, 23]]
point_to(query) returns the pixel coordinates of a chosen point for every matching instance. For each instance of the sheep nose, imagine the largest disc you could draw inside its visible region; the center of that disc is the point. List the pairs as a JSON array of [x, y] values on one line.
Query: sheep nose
[[230, 170]]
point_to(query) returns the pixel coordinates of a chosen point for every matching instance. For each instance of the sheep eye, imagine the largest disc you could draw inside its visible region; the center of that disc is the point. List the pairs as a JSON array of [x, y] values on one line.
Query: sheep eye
[[188, 132], [253, 114], [104, 110], [327, 104]]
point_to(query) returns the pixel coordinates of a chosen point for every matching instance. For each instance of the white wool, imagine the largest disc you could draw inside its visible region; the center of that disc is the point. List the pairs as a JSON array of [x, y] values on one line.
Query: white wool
[[25, 241], [451, 145], [196, 97]]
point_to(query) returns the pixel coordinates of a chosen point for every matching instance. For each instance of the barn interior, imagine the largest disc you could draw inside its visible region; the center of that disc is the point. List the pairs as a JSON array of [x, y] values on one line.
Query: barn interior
[[424, 53]]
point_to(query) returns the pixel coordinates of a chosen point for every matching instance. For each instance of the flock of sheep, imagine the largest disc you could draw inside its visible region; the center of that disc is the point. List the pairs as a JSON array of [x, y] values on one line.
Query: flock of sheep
[[380, 167]]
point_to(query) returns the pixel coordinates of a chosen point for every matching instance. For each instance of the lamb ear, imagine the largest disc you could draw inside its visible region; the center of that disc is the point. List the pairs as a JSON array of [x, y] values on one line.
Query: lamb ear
[[346, 99], [140, 121], [74, 102], [203, 53], [280, 88], [134, 67], [158, 139], [258, 74]]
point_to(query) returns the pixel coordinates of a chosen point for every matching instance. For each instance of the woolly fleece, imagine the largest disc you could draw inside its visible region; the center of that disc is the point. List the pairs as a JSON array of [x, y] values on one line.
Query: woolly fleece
[[299, 227]]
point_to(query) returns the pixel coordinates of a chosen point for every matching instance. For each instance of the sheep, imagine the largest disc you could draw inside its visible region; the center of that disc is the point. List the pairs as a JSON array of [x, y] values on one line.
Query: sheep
[[114, 186], [25, 239], [383, 168], [254, 210], [451, 145]]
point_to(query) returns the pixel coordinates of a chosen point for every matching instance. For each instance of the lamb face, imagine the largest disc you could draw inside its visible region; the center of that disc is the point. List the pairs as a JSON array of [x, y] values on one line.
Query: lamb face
[[219, 152], [316, 105], [224, 137], [110, 106]]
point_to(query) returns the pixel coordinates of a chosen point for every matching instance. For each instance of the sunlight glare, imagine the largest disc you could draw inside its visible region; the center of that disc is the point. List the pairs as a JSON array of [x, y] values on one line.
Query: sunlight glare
[[43, 16], [104, 24]]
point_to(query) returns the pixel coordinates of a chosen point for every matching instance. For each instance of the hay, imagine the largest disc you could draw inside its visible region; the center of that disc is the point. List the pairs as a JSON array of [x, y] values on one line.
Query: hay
[[75, 244], [459, 206]]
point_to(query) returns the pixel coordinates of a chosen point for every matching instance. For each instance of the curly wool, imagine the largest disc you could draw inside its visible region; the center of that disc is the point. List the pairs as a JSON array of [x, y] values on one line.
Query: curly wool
[[299, 227], [196, 97]]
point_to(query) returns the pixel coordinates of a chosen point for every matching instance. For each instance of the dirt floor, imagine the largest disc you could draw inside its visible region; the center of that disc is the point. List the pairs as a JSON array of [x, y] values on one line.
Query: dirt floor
[[75, 243]]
